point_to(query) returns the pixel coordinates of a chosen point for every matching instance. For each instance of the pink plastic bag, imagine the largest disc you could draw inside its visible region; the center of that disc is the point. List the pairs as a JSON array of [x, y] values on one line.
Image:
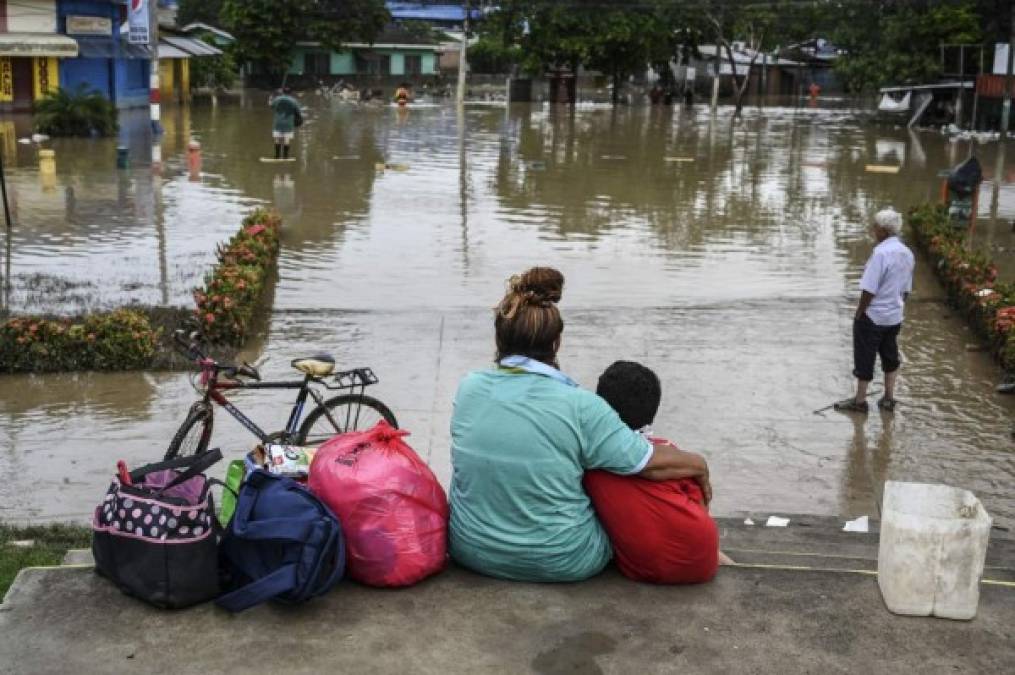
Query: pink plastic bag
[[393, 511]]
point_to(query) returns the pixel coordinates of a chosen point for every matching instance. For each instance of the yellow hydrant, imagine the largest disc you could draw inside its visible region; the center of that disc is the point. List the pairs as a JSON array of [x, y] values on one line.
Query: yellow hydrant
[[47, 169]]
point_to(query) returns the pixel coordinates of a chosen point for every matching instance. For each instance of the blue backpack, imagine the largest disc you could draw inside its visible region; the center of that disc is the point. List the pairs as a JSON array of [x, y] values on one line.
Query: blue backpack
[[282, 543]]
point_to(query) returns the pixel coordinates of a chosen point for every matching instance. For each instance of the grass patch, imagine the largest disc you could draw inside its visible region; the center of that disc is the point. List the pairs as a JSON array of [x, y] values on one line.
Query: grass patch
[[49, 545]]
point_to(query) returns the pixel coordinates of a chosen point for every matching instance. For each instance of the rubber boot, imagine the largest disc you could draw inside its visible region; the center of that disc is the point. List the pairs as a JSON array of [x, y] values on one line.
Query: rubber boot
[[285, 151], [278, 151]]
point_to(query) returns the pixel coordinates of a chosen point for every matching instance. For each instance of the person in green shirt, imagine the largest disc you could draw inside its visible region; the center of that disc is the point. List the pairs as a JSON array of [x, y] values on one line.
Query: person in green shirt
[[522, 436], [286, 113]]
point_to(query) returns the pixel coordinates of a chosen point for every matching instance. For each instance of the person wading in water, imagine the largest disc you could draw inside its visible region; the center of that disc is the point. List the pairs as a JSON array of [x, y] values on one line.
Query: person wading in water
[[886, 284], [287, 117]]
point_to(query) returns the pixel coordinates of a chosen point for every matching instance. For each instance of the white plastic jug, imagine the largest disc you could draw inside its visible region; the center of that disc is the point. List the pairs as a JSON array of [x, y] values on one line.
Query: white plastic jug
[[932, 549]]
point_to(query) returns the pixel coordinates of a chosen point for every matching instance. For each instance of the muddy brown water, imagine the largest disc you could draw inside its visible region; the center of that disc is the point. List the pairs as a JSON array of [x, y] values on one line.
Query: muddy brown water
[[725, 257]]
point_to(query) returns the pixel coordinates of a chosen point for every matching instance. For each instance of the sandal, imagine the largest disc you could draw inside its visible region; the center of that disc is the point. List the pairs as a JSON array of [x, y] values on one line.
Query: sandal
[[887, 404], [850, 405]]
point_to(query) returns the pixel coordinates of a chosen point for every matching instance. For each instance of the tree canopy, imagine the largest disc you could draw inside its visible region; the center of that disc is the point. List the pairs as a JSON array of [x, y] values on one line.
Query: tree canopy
[[267, 31]]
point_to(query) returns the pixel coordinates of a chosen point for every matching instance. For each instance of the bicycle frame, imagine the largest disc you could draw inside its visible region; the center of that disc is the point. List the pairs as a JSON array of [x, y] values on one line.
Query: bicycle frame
[[214, 389]]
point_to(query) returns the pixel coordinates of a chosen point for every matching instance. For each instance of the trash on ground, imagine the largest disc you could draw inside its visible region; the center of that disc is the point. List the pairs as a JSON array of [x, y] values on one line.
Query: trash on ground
[[861, 524], [882, 168], [777, 521]]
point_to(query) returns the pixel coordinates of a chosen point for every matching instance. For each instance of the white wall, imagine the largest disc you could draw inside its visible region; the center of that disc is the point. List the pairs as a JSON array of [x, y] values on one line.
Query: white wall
[[31, 16]]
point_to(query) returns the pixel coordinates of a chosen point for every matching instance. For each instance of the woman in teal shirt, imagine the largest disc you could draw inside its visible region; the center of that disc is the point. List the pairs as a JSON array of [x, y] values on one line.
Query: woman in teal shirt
[[522, 436]]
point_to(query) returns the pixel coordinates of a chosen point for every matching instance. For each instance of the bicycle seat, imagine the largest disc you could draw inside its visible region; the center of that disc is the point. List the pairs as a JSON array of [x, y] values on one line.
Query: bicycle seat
[[319, 365]]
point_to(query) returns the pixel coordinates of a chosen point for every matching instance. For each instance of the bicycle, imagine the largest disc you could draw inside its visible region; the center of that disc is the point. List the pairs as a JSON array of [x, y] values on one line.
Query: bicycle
[[320, 424]]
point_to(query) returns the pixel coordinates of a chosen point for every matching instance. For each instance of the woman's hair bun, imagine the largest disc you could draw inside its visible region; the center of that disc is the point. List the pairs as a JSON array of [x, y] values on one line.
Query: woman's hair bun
[[539, 285]]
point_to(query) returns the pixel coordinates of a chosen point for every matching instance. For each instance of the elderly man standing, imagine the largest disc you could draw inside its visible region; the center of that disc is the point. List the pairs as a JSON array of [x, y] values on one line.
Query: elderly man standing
[[886, 284]]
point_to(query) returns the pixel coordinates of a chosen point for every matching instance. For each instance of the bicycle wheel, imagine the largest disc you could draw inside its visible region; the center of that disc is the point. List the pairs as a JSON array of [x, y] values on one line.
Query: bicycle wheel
[[350, 412], [194, 434]]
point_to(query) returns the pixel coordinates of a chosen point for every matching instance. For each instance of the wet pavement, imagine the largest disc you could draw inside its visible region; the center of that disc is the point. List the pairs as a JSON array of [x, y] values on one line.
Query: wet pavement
[[726, 258]]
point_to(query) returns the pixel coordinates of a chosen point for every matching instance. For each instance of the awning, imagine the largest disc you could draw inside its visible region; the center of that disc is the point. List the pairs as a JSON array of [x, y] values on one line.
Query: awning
[[104, 48], [37, 44], [176, 47]]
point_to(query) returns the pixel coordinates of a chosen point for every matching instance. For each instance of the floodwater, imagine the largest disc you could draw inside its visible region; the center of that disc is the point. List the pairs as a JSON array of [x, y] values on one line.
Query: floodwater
[[724, 256]]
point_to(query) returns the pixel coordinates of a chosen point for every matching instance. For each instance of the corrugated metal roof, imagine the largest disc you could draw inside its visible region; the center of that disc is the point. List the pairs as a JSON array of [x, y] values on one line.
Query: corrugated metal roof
[[188, 46]]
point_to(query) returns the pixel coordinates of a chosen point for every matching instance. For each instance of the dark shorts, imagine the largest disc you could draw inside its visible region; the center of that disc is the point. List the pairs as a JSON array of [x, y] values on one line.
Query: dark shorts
[[870, 341]]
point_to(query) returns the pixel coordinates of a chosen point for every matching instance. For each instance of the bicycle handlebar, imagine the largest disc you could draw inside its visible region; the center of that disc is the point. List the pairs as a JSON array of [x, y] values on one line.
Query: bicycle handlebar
[[189, 345]]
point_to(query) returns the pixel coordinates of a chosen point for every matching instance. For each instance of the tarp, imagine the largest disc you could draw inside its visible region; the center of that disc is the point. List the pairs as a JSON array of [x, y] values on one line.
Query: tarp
[[889, 104], [37, 44]]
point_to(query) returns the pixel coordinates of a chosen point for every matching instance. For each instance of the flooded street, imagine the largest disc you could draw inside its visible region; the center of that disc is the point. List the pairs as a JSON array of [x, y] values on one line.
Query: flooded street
[[724, 257]]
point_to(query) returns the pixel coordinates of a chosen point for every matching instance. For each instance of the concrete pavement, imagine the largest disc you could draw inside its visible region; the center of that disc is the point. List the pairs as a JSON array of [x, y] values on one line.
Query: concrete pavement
[[786, 610]]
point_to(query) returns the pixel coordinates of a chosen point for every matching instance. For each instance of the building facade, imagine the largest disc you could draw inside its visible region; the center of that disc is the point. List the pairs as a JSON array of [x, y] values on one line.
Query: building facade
[[31, 51]]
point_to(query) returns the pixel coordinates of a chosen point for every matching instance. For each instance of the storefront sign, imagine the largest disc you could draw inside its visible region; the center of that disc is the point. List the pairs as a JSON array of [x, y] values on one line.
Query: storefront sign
[[6, 80], [89, 25], [138, 22]]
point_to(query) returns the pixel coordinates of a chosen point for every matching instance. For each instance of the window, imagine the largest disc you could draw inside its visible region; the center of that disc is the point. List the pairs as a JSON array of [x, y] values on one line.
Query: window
[[369, 63], [413, 64], [317, 63]]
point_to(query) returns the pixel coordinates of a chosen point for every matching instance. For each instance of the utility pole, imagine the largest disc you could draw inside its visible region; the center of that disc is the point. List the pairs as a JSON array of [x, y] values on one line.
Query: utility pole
[[154, 86], [1008, 81], [462, 62]]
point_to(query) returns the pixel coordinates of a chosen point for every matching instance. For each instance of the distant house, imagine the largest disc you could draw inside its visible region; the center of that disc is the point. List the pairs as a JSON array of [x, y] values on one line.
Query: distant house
[[396, 54], [778, 76], [818, 56]]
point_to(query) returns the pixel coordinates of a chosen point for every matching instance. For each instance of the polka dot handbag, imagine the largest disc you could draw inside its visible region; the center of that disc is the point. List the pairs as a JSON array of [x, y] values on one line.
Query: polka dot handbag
[[155, 535]]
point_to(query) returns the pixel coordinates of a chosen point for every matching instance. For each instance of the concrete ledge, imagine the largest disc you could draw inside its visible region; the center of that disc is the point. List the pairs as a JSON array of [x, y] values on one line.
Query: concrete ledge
[[61, 620]]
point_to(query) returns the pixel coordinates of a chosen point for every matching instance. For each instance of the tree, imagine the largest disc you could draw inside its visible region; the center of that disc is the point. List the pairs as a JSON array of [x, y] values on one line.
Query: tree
[[267, 31], [199, 11], [619, 38], [890, 42], [762, 26]]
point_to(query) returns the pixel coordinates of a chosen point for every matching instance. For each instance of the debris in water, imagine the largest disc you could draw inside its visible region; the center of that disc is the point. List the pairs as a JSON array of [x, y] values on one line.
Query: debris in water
[[882, 168], [613, 157], [680, 159], [861, 524], [345, 157], [748, 521], [777, 521]]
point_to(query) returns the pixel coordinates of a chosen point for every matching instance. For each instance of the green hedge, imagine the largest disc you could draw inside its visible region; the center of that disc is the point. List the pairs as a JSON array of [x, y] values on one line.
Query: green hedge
[[970, 279], [232, 293], [126, 338], [120, 340]]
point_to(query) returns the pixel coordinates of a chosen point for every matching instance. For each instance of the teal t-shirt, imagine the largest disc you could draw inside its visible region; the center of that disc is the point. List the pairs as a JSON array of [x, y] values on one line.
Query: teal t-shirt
[[520, 443], [285, 108]]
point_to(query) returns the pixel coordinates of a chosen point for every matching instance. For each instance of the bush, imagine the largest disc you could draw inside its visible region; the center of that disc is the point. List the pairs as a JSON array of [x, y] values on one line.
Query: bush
[[970, 280], [233, 289], [78, 113], [118, 340]]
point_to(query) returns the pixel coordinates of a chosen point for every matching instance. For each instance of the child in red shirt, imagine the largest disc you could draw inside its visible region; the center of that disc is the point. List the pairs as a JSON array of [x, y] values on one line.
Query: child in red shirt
[[661, 531]]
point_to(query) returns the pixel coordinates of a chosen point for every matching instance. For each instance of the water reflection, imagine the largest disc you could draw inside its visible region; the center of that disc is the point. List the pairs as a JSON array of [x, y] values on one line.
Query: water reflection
[[725, 256]]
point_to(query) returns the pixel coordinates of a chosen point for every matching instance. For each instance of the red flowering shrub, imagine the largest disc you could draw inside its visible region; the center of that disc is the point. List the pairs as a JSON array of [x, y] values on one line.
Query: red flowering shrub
[[120, 340], [970, 279], [232, 290]]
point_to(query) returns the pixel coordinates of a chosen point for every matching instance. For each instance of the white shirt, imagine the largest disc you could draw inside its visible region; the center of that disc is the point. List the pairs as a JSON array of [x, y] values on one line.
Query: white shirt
[[888, 276]]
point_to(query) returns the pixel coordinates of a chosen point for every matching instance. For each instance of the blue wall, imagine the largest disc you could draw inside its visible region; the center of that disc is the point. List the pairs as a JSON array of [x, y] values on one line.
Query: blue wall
[[122, 80]]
